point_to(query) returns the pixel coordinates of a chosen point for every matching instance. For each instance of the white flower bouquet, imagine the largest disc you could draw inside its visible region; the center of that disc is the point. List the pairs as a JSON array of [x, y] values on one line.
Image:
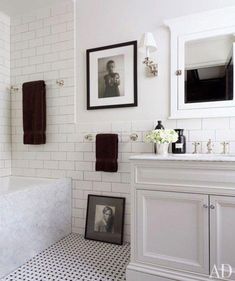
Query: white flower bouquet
[[161, 136]]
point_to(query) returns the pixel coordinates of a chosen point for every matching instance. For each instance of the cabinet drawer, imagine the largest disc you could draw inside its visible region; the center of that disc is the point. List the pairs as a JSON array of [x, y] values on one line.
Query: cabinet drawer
[[181, 174]]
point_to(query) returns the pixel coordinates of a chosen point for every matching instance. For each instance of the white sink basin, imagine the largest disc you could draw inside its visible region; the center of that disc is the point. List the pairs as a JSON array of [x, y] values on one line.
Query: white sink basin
[[187, 157], [199, 155]]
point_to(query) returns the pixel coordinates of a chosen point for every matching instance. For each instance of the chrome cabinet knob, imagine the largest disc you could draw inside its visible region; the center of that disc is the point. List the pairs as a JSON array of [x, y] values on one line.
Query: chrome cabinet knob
[[205, 206], [212, 207], [178, 72]]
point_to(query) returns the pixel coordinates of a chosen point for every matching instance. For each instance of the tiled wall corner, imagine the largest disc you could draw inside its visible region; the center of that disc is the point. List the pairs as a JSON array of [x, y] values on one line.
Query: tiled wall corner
[[5, 120]]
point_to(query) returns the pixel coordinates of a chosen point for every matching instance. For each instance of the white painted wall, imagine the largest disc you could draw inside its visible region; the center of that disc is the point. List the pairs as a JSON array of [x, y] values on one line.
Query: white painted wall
[[106, 22], [5, 121]]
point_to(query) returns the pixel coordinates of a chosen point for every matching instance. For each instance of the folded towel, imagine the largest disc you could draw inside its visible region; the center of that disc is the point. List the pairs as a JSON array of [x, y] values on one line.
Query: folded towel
[[106, 152], [34, 112]]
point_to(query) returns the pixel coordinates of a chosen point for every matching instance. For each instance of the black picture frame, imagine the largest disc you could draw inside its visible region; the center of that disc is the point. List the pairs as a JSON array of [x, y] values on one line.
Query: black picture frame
[[135, 83], [95, 228]]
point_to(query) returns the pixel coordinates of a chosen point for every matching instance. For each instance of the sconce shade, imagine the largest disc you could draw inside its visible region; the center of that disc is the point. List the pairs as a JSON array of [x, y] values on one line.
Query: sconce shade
[[147, 43]]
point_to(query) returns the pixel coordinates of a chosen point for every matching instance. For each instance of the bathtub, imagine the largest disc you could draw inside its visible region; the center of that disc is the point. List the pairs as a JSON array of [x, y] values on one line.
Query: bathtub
[[34, 214]]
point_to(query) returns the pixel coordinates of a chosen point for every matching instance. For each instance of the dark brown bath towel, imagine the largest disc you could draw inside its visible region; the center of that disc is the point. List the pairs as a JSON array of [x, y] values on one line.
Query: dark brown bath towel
[[34, 112], [106, 152]]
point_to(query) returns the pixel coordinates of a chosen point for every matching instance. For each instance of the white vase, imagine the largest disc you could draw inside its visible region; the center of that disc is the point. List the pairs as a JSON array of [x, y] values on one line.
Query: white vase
[[162, 148]]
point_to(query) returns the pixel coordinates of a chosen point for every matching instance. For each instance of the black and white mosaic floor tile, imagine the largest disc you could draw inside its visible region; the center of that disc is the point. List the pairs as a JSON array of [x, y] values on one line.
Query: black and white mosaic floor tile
[[75, 258]]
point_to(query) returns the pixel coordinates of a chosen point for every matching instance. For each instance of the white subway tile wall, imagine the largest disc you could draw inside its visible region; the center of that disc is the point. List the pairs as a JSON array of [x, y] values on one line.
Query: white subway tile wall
[[5, 112], [43, 48]]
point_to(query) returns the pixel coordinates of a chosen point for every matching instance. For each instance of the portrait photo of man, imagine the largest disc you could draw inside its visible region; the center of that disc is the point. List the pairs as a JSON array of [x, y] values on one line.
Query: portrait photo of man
[[104, 218], [111, 77], [112, 81]]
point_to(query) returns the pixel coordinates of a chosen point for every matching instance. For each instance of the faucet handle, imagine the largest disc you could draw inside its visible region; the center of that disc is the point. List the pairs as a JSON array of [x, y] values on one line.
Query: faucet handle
[[225, 145], [209, 146], [196, 144]]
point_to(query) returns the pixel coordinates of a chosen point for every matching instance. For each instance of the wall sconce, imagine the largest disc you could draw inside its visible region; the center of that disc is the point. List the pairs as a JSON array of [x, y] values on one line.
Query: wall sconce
[[148, 45]]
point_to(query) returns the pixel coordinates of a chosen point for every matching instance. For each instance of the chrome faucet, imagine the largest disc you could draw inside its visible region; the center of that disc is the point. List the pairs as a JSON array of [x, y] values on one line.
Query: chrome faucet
[[225, 147], [196, 146], [209, 146]]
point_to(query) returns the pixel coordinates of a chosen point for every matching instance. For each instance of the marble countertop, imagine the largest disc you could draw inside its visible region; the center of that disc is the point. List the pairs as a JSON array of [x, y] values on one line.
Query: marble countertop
[[186, 157]]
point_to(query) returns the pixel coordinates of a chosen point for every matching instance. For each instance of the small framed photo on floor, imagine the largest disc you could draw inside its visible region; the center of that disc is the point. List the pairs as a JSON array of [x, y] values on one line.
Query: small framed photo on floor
[[112, 76], [105, 219]]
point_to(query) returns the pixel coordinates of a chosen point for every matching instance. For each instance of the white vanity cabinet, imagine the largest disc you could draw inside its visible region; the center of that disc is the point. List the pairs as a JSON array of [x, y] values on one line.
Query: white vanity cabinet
[[183, 219]]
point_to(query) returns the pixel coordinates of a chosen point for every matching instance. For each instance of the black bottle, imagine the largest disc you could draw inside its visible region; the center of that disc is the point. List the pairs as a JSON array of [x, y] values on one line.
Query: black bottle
[[179, 147], [159, 125]]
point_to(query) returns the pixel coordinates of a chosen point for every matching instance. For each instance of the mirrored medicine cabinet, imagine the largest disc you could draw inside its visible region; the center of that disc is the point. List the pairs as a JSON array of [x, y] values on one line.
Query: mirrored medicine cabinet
[[202, 64]]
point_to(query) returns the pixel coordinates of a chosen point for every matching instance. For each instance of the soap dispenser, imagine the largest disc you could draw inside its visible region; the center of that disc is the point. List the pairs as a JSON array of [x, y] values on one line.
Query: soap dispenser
[[159, 125], [179, 147]]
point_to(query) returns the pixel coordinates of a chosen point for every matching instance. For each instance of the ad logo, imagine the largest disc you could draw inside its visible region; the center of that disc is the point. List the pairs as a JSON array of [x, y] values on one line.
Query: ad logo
[[225, 272]]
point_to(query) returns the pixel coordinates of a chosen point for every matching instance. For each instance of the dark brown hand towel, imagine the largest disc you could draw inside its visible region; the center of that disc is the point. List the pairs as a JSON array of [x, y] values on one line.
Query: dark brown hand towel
[[34, 112], [106, 152]]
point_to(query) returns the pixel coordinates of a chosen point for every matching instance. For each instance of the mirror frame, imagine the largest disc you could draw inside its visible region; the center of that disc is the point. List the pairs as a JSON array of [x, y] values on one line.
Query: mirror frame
[[193, 27]]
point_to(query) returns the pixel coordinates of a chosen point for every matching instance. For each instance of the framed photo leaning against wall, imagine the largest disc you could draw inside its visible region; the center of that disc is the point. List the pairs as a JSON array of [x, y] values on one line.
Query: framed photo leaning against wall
[[105, 219]]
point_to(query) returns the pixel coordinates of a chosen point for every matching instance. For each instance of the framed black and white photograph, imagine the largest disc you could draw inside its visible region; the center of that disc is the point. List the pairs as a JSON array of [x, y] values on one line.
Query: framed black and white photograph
[[105, 219], [112, 76]]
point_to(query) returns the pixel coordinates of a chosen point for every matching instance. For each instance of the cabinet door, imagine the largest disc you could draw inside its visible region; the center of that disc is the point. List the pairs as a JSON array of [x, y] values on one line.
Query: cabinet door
[[222, 233], [172, 230]]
